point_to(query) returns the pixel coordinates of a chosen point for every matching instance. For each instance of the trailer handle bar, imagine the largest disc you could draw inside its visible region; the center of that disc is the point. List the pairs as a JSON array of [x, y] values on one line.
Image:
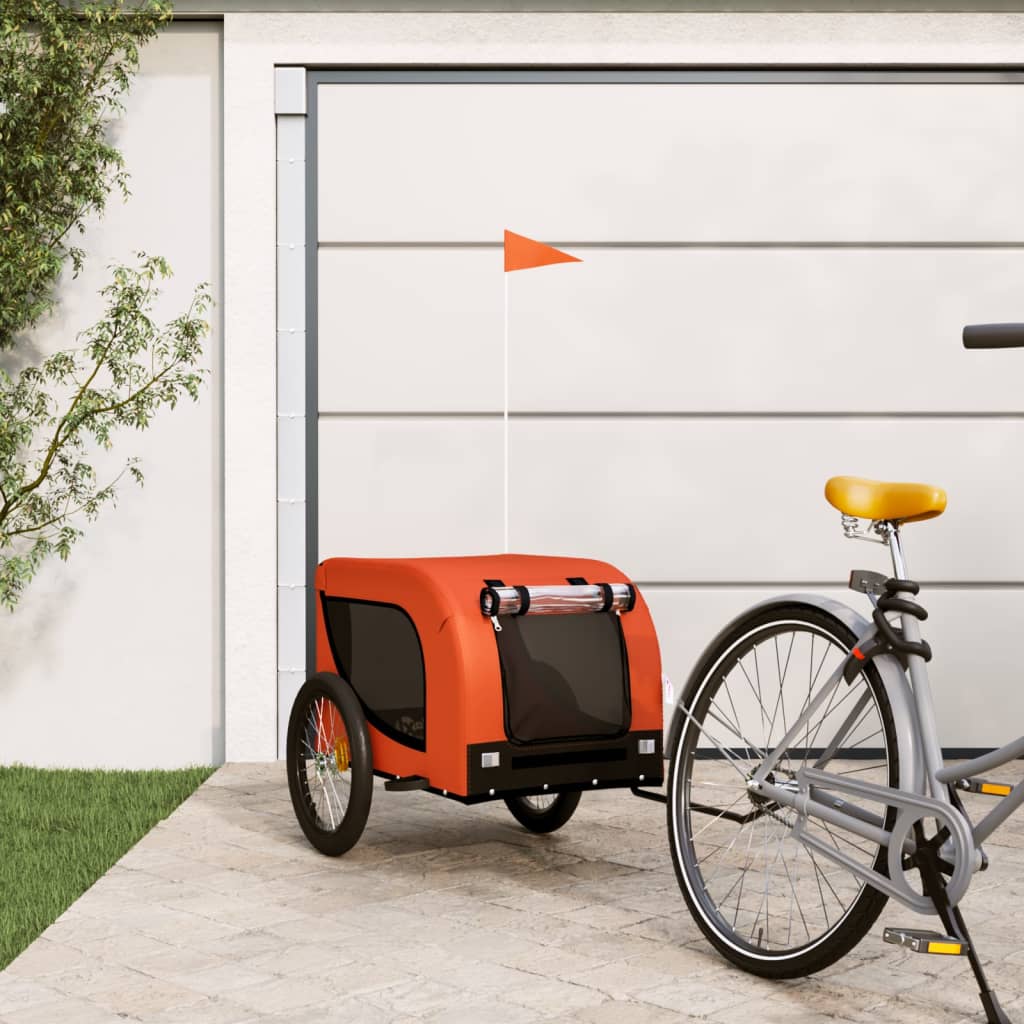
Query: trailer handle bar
[[574, 599]]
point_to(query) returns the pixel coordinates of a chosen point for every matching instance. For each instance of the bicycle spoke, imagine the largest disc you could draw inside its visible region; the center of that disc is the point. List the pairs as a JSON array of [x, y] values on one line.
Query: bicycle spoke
[[765, 888]]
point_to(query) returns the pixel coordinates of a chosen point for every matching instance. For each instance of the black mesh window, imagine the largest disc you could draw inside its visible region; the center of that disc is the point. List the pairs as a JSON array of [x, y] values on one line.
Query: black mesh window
[[565, 677], [376, 648]]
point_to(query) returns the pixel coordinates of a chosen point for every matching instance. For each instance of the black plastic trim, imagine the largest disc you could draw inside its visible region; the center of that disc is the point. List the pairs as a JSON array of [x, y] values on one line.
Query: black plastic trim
[[564, 766]]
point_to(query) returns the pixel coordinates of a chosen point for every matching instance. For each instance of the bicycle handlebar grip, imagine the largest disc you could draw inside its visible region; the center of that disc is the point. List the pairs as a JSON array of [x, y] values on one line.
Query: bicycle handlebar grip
[[994, 336]]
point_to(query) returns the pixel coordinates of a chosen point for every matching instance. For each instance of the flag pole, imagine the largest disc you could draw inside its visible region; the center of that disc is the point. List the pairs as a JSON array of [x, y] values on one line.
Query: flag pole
[[521, 253], [505, 413]]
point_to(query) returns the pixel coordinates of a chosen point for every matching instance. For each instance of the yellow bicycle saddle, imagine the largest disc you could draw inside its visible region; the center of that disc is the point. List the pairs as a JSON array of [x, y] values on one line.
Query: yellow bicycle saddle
[[873, 499]]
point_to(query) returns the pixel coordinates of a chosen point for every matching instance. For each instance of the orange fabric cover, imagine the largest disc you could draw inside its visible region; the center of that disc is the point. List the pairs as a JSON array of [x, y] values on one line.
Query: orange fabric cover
[[464, 701]]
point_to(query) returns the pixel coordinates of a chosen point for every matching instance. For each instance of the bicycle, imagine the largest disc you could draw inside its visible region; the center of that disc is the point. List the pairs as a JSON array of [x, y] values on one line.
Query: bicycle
[[789, 832]]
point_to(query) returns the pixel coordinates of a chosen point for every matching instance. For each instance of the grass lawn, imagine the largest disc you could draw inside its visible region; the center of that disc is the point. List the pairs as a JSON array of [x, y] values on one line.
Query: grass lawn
[[60, 830]]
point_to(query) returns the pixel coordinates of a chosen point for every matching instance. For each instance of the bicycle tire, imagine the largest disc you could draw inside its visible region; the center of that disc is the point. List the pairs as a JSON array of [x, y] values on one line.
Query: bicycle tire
[[754, 948], [329, 763], [537, 815]]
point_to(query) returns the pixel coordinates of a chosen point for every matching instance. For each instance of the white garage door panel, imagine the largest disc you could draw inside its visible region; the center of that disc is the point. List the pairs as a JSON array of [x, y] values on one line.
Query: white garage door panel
[[973, 634], [393, 488], [684, 500], [668, 330], [411, 330], [802, 162]]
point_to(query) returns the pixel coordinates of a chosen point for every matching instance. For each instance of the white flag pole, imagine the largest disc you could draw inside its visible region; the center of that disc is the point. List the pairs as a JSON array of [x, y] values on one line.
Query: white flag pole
[[505, 412]]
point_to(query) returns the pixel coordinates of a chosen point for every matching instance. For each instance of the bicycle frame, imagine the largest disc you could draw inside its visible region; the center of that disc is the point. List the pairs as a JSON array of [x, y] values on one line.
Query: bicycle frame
[[924, 785]]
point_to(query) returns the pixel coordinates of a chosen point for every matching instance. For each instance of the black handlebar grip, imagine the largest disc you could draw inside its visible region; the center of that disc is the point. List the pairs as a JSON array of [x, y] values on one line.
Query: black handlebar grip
[[994, 336]]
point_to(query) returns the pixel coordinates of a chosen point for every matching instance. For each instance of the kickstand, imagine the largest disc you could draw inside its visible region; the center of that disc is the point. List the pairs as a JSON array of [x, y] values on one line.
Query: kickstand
[[926, 859]]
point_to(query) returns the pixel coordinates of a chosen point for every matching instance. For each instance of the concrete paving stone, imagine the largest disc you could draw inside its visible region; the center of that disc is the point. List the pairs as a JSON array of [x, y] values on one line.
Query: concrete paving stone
[[693, 997], [208, 952], [621, 980], [552, 998], [127, 948], [94, 976], [225, 915], [682, 961], [20, 993], [415, 998], [553, 963], [44, 956], [64, 1011], [330, 930], [491, 1011], [348, 1011], [772, 1011], [286, 994], [558, 933], [618, 1011], [222, 979], [679, 929], [532, 902], [305, 958], [137, 995], [605, 917], [598, 869], [236, 911], [177, 869], [612, 948], [174, 961], [176, 927], [207, 1011], [477, 977]]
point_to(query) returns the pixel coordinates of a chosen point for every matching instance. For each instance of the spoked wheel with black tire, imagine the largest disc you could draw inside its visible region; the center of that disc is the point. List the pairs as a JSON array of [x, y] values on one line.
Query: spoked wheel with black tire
[[543, 812], [330, 770], [767, 902]]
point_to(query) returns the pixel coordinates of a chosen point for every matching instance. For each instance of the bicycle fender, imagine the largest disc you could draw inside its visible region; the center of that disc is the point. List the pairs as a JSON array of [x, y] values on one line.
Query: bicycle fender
[[894, 679]]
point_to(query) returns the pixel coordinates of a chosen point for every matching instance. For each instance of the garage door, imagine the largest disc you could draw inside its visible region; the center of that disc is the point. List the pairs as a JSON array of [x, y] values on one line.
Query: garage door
[[776, 270]]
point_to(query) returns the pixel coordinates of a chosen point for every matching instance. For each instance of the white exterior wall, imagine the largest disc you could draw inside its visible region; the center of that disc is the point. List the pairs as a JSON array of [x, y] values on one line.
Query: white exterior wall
[[785, 538], [114, 659]]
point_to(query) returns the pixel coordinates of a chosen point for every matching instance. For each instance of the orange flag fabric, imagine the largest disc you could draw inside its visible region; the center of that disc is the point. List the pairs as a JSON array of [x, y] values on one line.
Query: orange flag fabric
[[522, 253]]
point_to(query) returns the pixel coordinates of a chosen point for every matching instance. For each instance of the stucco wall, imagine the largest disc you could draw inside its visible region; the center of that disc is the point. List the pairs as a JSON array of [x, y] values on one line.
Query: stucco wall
[[115, 658]]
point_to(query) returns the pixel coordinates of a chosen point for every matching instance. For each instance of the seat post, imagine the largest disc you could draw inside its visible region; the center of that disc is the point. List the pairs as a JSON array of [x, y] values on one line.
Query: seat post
[[899, 564]]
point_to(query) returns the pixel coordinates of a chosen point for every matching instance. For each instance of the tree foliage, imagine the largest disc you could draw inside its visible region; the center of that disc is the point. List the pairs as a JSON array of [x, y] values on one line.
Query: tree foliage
[[51, 415], [63, 70]]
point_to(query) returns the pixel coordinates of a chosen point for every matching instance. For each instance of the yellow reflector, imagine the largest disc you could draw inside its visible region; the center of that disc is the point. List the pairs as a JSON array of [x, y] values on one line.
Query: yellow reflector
[[341, 755], [948, 948], [995, 789]]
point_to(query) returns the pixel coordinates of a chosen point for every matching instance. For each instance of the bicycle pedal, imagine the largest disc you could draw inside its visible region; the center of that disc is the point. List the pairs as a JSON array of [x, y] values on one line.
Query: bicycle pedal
[[919, 941]]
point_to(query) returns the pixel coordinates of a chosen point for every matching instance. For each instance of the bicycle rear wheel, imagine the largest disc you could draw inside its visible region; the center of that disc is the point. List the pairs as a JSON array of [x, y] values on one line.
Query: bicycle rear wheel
[[768, 903]]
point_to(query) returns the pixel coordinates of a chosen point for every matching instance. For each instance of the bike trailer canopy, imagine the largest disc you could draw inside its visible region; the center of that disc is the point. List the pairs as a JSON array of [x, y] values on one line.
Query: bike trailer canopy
[[494, 675]]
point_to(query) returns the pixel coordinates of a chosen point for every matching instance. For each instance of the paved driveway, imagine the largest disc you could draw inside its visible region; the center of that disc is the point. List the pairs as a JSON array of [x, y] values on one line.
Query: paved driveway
[[223, 915]]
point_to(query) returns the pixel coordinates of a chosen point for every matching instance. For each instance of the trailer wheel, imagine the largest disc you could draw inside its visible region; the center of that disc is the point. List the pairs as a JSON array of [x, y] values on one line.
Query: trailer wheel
[[543, 812], [330, 769]]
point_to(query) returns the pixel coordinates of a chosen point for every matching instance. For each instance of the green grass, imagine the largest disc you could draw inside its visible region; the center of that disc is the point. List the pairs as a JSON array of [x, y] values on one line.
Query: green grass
[[61, 830]]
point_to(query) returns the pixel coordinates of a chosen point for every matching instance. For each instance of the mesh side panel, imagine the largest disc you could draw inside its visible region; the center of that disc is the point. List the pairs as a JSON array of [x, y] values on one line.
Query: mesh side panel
[[565, 677], [377, 650]]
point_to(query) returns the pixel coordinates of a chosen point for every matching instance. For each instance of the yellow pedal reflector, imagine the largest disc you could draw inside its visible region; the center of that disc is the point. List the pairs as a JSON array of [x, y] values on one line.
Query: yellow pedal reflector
[[995, 789], [920, 941]]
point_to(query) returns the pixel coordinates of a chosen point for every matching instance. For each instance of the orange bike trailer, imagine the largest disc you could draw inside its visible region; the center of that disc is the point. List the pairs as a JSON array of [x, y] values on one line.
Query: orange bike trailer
[[516, 677]]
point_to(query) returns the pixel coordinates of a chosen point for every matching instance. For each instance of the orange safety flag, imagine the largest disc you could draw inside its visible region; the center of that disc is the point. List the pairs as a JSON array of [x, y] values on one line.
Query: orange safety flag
[[522, 253]]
